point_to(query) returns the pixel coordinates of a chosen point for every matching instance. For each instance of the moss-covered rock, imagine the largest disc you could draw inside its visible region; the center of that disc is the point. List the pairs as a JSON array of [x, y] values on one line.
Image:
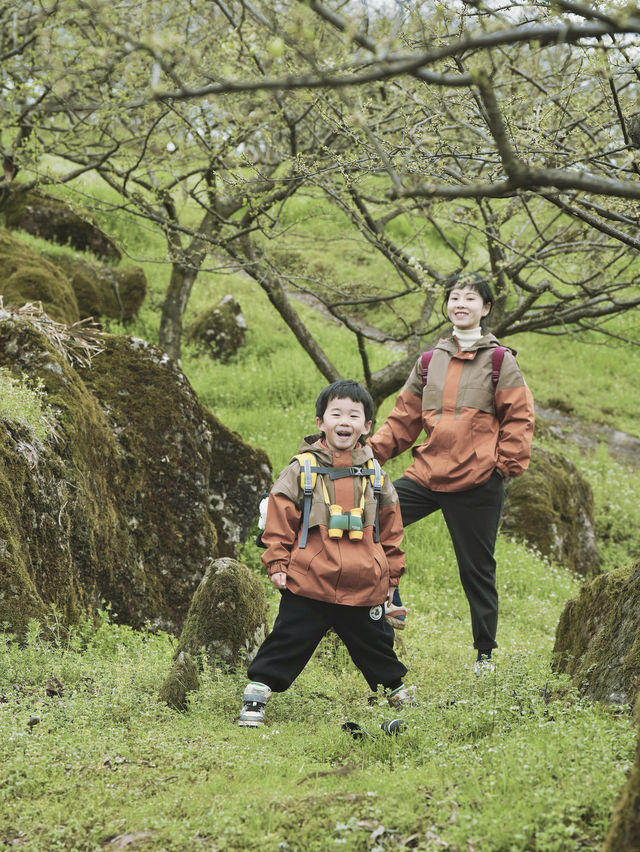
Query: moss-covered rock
[[220, 331], [181, 680], [624, 831], [551, 507], [598, 637], [228, 615], [598, 644], [55, 221], [25, 276], [125, 506], [59, 529], [102, 290]]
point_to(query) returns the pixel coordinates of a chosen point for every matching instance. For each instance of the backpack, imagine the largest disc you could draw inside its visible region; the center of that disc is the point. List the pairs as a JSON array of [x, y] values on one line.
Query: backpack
[[309, 471], [496, 362]]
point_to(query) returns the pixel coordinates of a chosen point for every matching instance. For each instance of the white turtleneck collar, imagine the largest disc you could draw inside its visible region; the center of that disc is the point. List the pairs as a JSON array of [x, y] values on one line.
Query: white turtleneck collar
[[467, 337]]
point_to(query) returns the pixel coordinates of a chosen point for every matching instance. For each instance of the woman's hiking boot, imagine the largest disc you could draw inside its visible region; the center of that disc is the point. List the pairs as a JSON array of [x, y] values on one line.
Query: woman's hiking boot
[[254, 700], [484, 664], [395, 615], [402, 697]]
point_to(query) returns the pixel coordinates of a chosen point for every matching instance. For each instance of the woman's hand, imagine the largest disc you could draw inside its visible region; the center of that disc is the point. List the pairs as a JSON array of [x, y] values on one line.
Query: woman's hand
[[279, 580]]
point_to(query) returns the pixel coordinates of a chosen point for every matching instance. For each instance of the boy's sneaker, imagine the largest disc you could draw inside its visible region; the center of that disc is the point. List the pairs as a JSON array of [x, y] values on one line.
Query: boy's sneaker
[[483, 665], [395, 615], [254, 700], [402, 697]]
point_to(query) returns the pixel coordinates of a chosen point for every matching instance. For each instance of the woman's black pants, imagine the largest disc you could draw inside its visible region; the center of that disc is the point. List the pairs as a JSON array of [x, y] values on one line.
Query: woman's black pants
[[472, 518]]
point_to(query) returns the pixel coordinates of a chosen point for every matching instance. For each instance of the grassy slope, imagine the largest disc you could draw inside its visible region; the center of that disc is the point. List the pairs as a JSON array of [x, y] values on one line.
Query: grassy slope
[[515, 761]]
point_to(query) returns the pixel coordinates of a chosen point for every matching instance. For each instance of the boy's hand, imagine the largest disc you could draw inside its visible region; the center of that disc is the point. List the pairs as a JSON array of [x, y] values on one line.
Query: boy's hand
[[279, 580], [390, 595]]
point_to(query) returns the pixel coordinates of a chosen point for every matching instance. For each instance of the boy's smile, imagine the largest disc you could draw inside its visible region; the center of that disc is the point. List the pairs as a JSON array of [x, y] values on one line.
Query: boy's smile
[[343, 423]]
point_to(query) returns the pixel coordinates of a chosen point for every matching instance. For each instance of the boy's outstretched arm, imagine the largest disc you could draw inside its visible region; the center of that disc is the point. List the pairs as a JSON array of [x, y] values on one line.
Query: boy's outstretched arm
[[281, 528]]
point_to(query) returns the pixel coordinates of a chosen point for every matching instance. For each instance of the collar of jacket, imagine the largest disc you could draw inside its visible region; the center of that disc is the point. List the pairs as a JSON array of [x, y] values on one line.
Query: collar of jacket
[[487, 341], [313, 444]]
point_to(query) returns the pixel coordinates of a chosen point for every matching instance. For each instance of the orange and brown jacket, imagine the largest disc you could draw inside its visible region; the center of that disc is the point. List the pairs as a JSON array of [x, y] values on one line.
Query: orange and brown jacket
[[466, 437], [336, 570]]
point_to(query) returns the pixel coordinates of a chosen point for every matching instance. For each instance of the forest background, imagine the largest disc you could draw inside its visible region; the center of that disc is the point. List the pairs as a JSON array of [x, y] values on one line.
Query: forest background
[[330, 165]]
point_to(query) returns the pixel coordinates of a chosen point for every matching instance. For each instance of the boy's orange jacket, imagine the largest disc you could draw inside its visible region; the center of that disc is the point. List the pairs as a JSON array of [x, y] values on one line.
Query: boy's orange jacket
[[336, 570], [465, 438]]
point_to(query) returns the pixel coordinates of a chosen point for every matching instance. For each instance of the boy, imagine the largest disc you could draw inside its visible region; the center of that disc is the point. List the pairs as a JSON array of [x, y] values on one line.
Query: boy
[[335, 556]]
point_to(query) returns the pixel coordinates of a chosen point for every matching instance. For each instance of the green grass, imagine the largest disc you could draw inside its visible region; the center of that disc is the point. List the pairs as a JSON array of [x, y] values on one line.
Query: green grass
[[512, 761], [24, 403]]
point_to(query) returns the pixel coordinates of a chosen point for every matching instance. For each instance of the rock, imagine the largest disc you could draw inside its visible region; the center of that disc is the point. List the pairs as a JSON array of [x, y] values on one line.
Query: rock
[[559, 424], [228, 615], [220, 330], [598, 637], [102, 290], [26, 276], [598, 644], [624, 831], [181, 680], [55, 221], [139, 489], [551, 507]]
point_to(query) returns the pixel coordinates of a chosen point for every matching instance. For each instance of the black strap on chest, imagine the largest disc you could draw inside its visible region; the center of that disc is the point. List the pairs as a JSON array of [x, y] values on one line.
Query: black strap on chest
[[308, 473]]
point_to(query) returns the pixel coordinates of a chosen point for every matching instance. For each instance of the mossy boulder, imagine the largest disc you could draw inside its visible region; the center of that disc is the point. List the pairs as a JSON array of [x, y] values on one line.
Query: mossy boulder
[[60, 534], [25, 276], [624, 831], [124, 505], [598, 637], [598, 644], [551, 508], [220, 331], [181, 680], [54, 220], [228, 615], [102, 290]]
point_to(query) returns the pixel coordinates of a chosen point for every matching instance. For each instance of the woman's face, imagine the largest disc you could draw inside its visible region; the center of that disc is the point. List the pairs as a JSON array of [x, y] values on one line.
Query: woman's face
[[465, 307]]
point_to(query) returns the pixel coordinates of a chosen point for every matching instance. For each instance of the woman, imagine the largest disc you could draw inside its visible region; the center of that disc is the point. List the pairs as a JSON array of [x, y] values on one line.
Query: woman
[[478, 432]]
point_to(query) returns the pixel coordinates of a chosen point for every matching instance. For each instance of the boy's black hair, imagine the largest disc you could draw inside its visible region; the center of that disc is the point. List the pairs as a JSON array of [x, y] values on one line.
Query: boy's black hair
[[345, 389], [474, 280]]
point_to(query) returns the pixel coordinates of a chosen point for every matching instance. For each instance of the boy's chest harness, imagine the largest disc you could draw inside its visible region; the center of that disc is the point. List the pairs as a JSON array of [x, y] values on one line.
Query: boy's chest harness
[[339, 521]]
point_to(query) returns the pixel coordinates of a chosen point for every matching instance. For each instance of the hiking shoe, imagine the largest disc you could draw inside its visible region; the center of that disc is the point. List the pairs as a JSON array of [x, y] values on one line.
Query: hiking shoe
[[402, 697], [395, 615], [254, 700], [483, 666]]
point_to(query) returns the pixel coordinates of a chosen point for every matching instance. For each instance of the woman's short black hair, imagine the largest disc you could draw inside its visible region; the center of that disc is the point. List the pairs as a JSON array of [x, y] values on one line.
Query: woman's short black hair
[[474, 280], [345, 389]]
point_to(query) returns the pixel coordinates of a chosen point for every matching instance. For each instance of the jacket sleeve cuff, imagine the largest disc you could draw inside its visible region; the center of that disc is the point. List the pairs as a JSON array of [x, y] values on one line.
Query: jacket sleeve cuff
[[276, 568]]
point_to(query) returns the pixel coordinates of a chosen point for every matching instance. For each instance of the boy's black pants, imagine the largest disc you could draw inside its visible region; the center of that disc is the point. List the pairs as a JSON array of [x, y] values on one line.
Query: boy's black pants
[[472, 517], [301, 624]]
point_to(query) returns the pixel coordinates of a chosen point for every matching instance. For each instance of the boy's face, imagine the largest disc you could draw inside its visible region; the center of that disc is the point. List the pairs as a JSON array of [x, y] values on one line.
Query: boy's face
[[343, 423]]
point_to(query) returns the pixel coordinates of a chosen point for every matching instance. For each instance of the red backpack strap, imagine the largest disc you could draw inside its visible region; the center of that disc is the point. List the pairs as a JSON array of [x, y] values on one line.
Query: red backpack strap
[[426, 357], [496, 362]]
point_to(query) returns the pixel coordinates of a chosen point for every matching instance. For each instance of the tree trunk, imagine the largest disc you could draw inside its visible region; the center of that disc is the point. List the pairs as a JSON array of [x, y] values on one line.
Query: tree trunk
[[173, 308]]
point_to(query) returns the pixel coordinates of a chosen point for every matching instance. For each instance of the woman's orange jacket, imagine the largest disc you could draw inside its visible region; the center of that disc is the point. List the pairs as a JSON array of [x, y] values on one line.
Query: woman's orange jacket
[[469, 430]]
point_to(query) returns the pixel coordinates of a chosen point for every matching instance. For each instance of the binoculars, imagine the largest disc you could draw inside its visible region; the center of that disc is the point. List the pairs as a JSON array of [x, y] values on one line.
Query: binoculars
[[350, 521]]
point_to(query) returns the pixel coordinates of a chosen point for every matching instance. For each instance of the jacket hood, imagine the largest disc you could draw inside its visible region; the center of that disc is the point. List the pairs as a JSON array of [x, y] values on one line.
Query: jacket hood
[[487, 341]]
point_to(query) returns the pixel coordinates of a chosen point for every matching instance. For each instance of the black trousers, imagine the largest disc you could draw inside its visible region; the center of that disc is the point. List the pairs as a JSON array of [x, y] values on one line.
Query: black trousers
[[472, 518], [300, 625]]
